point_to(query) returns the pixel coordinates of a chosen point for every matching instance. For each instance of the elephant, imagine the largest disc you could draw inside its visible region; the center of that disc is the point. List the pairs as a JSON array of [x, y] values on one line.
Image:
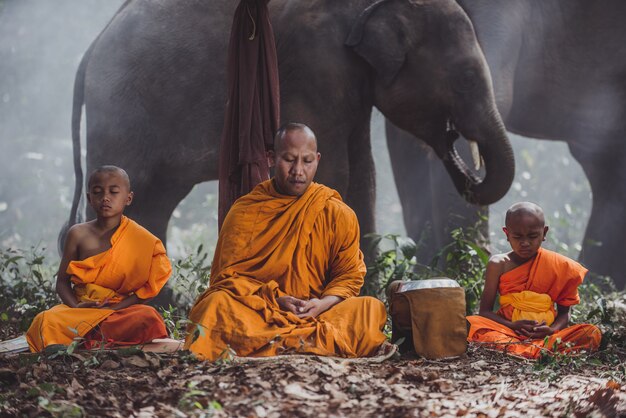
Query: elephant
[[558, 71], [153, 88]]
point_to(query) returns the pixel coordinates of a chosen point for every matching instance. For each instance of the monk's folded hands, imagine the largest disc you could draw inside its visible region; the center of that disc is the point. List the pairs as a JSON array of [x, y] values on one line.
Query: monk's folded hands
[[315, 307], [291, 304], [541, 331], [524, 326]]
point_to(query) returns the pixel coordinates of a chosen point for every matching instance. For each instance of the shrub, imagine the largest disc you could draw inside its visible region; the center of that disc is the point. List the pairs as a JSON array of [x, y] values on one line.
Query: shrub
[[27, 287]]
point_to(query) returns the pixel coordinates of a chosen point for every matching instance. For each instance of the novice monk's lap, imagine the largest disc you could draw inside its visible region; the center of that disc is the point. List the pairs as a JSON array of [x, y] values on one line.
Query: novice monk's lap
[[137, 324], [573, 339], [252, 327], [61, 324]]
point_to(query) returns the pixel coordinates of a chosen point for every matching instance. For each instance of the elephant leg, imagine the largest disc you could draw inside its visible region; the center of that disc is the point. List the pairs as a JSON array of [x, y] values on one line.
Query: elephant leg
[[431, 206], [603, 246], [361, 193]]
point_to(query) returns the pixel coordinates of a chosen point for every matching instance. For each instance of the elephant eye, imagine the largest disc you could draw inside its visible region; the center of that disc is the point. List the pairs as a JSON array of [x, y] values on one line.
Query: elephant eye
[[466, 80]]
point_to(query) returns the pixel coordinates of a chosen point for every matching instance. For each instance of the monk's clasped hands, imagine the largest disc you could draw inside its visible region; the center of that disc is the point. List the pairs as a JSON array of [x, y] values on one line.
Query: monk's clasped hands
[[307, 308], [95, 305], [532, 329]]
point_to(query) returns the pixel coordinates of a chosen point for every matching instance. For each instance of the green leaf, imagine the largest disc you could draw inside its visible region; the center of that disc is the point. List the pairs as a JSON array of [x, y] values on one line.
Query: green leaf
[[71, 347], [407, 247]]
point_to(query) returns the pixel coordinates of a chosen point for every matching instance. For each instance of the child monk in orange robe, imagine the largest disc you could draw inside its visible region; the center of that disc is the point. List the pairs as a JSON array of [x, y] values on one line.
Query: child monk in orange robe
[[531, 280], [115, 266], [288, 269]]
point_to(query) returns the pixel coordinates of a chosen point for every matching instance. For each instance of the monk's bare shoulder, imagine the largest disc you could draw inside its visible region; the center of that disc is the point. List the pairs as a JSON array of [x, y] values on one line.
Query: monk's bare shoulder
[[501, 263], [80, 232], [81, 238]]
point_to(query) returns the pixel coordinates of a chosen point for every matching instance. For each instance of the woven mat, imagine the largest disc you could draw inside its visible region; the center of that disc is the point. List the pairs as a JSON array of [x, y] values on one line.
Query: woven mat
[[386, 351]]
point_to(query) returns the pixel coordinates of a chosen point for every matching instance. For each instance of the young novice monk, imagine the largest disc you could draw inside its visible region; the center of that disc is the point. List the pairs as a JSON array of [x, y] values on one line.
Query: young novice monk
[[531, 280], [115, 266]]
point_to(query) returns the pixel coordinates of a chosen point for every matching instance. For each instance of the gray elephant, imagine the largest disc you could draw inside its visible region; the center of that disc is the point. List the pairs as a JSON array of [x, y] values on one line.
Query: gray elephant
[[559, 73], [153, 85]]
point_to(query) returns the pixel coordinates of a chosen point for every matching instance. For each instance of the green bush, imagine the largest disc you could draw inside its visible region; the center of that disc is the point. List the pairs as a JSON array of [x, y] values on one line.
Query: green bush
[[27, 287]]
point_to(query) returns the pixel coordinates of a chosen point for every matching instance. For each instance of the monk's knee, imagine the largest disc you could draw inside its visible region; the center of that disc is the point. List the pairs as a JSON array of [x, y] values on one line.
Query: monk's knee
[[214, 304], [219, 298], [373, 309], [372, 304]]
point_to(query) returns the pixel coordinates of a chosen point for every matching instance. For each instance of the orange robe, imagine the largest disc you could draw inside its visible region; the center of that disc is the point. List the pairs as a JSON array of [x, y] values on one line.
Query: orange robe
[[136, 264], [272, 245], [530, 291]]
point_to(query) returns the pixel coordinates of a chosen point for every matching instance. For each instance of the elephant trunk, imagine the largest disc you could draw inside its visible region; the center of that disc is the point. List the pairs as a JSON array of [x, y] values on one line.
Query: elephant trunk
[[497, 154]]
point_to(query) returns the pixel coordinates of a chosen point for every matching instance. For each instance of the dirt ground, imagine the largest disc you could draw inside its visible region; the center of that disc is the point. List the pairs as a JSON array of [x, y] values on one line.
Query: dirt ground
[[133, 383]]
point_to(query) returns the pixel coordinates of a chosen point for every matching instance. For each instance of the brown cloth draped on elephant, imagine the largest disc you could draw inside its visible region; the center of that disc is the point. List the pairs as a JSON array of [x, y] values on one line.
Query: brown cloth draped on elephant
[[153, 85], [559, 72]]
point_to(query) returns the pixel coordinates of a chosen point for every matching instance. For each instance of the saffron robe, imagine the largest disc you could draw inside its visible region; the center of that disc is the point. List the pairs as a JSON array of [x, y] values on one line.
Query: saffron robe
[[530, 291], [136, 264], [272, 245]]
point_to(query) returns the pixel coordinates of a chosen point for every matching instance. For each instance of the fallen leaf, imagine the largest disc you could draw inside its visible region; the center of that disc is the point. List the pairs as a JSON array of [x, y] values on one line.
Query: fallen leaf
[[135, 361], [294, 389], [109, 365]]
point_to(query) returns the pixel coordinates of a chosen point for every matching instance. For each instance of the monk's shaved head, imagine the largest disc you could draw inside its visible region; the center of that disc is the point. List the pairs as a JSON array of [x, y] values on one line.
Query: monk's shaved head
[[109, 169], [288, 128], [523, 210]]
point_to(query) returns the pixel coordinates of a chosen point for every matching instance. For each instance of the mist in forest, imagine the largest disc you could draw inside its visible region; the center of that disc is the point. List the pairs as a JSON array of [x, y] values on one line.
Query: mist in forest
[[41, 44]]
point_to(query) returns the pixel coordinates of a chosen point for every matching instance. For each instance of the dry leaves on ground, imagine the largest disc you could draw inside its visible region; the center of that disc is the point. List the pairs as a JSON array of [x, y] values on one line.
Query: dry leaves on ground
[[134, 383]]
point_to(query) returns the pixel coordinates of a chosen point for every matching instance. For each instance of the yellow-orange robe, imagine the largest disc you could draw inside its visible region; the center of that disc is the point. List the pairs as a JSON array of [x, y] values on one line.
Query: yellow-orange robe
[[530, 291], [273, 245], [136, 264]]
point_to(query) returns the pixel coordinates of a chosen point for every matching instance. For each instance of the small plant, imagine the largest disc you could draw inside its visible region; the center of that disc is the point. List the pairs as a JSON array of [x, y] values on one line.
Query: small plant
[[176, 324], [60, 408], [192, 402], [191, 277], [228, 355]]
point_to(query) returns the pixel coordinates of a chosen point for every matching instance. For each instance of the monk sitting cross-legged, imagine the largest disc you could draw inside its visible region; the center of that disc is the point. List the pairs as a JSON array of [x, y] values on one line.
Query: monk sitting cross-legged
[[287, 269], [115, 266], [531, 280]]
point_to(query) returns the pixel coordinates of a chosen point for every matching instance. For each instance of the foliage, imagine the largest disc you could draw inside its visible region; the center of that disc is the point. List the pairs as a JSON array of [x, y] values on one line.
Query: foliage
[[26, 286], [604, 307], [190, 277], [554, 363], [462, 260], [395, 263]]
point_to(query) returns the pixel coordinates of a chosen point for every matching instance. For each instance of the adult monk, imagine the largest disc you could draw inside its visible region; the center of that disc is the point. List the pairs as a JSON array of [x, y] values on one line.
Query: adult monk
[[531, 280], [287, 269], [110, 267]]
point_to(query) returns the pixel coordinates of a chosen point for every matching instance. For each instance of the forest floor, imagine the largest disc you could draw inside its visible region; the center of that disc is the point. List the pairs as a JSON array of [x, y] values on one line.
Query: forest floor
[[131, 382]]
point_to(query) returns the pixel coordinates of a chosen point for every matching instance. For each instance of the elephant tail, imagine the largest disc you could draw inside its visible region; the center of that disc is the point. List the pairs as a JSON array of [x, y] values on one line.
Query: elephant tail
[[77, 113]]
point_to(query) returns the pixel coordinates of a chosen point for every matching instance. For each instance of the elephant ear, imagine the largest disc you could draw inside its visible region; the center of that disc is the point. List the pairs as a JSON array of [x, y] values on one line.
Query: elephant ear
[[381, 36]]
